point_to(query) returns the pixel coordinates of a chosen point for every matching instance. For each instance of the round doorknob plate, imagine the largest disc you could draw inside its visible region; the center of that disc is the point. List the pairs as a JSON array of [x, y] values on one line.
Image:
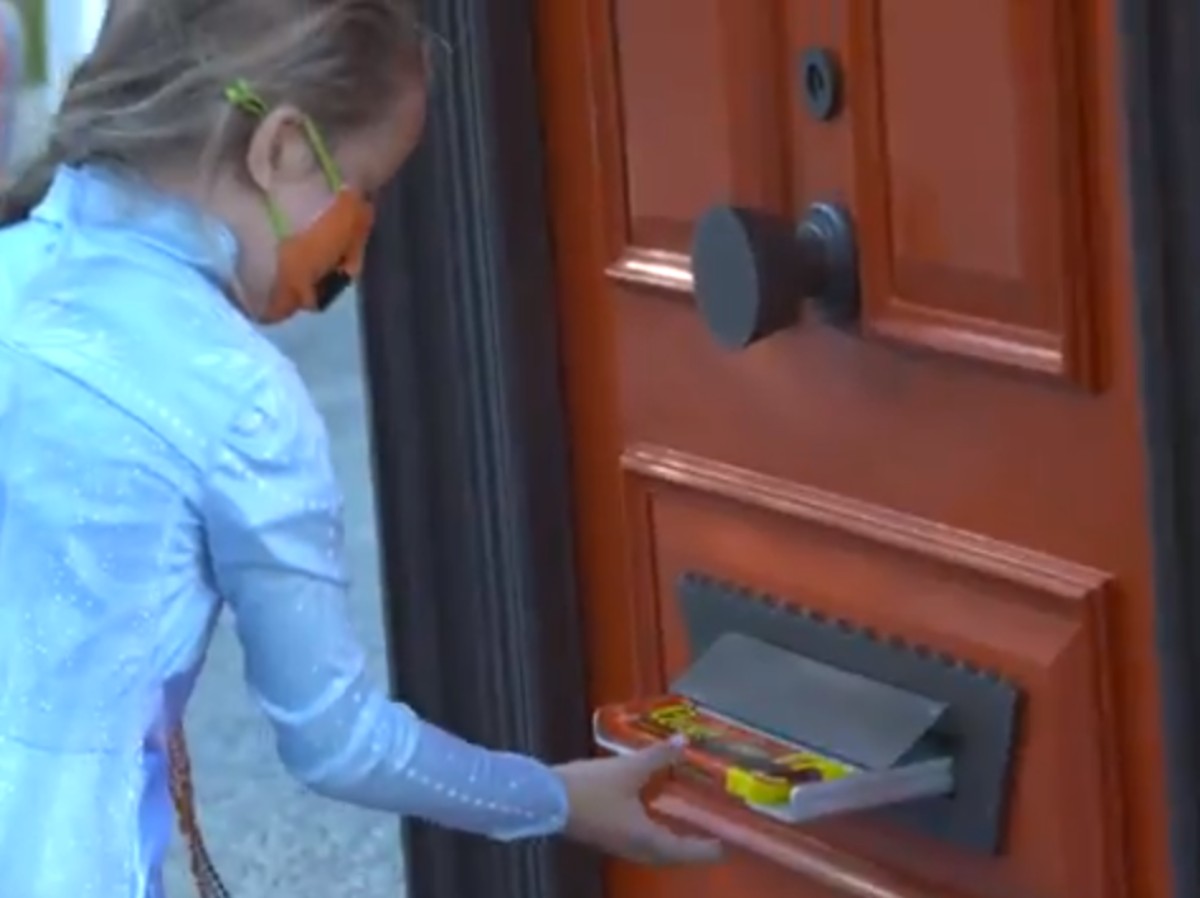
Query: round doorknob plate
[[827, 233]]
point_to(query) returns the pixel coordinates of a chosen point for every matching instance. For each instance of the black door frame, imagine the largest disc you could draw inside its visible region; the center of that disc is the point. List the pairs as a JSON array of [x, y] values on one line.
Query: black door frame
[[471, 457]]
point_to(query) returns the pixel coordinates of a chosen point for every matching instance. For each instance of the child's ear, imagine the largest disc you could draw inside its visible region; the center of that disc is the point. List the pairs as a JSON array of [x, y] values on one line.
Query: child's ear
[[279, 151]]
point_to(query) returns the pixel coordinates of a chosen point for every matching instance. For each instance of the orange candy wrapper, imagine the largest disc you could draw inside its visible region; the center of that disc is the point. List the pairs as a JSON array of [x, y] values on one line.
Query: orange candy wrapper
[[720, 753]]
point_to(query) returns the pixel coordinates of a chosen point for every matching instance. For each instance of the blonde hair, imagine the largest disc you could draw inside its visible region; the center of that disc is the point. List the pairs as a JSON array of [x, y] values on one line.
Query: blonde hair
[[152, 92]]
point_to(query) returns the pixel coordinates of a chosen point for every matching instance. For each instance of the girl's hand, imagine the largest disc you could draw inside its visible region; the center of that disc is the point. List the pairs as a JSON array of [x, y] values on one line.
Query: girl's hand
[[606, 810]]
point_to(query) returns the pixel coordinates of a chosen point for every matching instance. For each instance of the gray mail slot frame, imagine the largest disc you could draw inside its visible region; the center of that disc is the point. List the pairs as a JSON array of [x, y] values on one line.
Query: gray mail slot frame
[[972, 713]]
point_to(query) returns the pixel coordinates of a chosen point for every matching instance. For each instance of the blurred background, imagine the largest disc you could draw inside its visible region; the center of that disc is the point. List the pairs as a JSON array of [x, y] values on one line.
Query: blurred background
[[268, 836]]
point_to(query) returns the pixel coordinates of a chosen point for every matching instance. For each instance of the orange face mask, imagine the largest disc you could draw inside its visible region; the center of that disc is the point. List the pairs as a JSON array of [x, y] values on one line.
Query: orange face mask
[[316, 264]]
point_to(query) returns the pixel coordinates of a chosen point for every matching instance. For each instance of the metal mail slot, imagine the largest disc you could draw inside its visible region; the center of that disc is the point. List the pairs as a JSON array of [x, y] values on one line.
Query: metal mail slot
[[894, 707]]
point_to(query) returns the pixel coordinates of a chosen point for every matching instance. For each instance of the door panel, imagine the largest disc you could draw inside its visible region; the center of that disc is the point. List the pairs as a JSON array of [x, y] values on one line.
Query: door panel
[[701, 121], [961, 472], [1033, 617], [967, 177]]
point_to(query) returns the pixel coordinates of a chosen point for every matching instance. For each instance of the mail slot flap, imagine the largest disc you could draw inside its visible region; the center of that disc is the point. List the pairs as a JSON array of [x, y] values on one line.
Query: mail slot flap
[[869, 723]]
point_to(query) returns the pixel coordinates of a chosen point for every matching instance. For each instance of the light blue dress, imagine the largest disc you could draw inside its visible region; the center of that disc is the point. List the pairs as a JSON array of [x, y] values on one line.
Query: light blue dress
[[159, 459]]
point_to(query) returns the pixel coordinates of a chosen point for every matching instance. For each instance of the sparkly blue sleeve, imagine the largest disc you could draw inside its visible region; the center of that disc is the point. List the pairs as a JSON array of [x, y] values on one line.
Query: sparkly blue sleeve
[[274, 525]]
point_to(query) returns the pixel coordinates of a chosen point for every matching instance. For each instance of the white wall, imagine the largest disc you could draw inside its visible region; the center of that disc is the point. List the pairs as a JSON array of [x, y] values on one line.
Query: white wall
[[71, 29]]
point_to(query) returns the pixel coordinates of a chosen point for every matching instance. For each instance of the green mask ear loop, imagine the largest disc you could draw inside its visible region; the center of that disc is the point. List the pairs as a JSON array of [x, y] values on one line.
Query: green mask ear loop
[[242, 96], [324, 158]]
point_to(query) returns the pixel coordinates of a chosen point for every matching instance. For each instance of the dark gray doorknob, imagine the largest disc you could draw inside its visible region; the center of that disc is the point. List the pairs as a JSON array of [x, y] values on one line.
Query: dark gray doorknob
[[753, 271]]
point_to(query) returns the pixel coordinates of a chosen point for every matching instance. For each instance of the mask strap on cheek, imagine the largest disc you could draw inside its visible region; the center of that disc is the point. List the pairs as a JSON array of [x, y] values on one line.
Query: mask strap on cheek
[[279, 222]]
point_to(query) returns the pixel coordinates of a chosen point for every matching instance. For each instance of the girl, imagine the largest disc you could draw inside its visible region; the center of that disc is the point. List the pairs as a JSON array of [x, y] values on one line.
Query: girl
[[211, 167]]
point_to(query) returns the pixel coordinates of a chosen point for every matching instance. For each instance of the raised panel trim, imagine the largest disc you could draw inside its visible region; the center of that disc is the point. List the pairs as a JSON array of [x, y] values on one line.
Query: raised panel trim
[[839, 871], [986, 341], [653, 269], [1072, 583]]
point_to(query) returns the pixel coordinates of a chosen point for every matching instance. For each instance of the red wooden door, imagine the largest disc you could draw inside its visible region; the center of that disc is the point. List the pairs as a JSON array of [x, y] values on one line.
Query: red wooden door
[[961, 470]]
